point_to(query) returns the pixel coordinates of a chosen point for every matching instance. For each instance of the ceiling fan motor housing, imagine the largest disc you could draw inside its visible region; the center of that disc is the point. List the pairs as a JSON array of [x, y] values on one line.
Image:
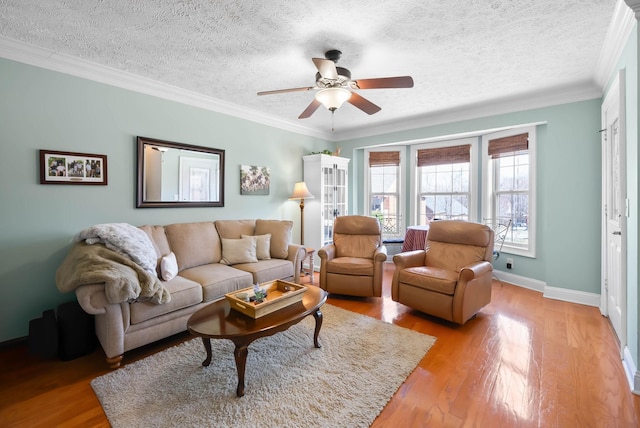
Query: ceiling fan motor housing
[[333, 55], [344, 76]]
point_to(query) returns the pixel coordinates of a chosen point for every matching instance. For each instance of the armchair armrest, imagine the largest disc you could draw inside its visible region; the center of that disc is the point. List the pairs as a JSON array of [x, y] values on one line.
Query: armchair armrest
[[402, 261], [409, 259], [380, 255], [473, 291], [328, 252], [475, 270]]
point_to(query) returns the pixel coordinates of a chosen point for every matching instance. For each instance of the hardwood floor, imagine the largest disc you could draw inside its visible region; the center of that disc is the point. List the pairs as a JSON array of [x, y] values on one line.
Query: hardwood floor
[[524, 361]]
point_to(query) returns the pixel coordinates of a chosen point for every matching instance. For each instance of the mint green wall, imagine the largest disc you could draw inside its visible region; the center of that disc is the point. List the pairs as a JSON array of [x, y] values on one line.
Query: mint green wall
[[568, 188], [40, 109]]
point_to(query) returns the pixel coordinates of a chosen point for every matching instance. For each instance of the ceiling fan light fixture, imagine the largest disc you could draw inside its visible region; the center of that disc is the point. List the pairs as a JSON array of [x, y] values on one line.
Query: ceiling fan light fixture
[[333, 98]]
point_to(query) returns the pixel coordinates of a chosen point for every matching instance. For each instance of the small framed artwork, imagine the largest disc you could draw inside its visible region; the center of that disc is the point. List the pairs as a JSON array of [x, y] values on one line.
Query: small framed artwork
[[72, 168], [254, 180]]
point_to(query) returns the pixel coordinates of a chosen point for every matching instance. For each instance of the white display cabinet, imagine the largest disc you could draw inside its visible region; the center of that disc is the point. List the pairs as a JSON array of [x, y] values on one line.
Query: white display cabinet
[[326, 178]]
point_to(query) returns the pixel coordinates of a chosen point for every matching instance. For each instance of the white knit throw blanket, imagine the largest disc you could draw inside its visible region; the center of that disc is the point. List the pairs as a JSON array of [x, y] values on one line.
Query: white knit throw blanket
[[124, 239]]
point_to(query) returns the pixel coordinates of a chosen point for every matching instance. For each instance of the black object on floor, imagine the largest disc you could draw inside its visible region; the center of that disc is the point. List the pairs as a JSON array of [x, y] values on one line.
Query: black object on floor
[[76, 330], [43, 335]]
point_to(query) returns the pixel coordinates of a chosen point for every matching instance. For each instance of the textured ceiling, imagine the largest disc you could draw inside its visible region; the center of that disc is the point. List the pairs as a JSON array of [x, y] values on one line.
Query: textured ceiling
[[459, 52]]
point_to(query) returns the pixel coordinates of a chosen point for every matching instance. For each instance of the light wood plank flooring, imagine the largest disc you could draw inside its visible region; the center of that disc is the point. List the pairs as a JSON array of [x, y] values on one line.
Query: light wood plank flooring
[[524, 361]]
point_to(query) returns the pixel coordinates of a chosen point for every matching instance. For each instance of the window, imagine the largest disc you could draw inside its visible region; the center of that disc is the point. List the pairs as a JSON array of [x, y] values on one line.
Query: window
[[444, 179], [383, 195], [509, 184]]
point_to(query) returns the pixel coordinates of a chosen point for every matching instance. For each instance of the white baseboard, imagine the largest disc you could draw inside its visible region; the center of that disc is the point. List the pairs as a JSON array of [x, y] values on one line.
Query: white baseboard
[[633, 376], [566, 295], [573, 296], [521, 281]]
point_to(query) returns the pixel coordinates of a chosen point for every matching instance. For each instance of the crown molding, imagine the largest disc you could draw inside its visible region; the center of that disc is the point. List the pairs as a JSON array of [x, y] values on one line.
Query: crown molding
[[45, 58], [619, 30], [620, 27], [635, 6], [555, 96]]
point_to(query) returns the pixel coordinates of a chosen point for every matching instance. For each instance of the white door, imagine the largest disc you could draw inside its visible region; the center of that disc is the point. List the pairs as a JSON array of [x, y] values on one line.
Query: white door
[[198, 179], [614, 201]]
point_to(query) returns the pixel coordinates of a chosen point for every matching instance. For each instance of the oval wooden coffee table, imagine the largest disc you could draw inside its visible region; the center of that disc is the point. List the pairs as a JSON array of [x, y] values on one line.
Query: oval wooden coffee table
[[219, 321]]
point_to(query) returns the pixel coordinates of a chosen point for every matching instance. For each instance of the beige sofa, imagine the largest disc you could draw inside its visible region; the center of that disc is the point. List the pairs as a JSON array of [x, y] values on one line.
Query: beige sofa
[[201, 250]]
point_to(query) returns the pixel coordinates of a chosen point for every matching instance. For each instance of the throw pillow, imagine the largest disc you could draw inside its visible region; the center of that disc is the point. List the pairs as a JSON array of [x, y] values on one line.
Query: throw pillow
[[263, 246], [241, 250], [169, 267]]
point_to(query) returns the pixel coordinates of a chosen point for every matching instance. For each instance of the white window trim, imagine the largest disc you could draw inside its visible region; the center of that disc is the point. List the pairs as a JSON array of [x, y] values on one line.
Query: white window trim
[[473, 171], [401, 182], [487, 187]]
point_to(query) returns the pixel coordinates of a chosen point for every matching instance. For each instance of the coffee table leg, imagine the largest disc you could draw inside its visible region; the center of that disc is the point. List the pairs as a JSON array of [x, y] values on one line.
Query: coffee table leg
[[318, 316], [207, 347], [240, 353]]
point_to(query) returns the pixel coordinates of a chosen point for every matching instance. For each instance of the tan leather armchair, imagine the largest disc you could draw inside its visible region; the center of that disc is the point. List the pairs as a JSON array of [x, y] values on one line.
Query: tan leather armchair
[[451, 279], [352, 265]]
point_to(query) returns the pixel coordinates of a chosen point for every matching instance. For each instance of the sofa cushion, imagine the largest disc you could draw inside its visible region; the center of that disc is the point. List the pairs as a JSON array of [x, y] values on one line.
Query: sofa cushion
[[194, 244], [234, 229], [280, 231], [241, 250], [217, 279], [267, 270], [263, 246], [160, 243], [184, 293], [159, 239]]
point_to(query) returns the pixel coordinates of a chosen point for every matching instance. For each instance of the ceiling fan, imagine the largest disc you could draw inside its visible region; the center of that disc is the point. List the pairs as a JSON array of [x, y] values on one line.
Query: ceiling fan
[[335, 87]]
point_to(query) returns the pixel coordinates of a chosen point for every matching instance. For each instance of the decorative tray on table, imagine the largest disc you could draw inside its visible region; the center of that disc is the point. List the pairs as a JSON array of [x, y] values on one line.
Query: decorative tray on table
[[279, 295]]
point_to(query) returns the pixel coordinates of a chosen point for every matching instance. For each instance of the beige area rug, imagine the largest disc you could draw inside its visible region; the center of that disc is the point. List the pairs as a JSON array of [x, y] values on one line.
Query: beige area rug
[[288, 382]]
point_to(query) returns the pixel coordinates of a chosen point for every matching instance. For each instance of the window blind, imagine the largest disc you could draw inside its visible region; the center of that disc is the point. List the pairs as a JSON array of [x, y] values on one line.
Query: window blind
[[384, 158], [513, 143], [444, 155]]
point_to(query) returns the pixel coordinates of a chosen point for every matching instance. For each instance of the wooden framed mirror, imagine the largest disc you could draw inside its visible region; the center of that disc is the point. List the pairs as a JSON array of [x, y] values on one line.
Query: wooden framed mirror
[[178, 175]]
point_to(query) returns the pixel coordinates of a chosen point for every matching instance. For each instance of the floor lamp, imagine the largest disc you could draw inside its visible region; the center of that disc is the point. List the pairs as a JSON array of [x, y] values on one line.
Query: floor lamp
[[301, 192]]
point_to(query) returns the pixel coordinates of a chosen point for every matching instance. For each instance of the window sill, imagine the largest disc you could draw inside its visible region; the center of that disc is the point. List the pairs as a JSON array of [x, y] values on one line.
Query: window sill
[[524, 252]]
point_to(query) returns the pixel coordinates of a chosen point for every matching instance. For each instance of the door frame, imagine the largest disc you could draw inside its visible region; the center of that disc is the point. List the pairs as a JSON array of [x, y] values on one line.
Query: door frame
[[616, 94]]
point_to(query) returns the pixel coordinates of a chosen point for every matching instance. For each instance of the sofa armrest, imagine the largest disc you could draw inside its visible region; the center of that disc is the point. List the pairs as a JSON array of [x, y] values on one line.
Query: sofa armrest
[[297, 254], [92, 298]]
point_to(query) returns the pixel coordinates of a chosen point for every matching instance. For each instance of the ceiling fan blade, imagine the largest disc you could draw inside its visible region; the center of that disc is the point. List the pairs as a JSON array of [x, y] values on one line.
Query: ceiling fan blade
[[311, 108], [363, 104], [326, 68], [281, 91], [384, 82]]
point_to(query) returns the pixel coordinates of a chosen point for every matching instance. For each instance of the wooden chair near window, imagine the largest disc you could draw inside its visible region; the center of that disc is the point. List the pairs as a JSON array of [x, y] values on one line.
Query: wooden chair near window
[[500, 227]]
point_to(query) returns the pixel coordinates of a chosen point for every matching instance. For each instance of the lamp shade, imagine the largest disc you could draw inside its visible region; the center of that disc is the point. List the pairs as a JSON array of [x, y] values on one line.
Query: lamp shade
[[333, 98], [300, 191]]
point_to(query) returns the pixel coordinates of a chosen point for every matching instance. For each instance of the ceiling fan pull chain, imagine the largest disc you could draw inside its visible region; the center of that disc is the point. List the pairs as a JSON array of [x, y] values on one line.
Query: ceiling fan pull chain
[[333, 117]]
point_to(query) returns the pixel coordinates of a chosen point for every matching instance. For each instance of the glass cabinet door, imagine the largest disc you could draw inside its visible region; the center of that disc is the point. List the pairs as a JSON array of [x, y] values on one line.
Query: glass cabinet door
[[327, 204], [340, 187]]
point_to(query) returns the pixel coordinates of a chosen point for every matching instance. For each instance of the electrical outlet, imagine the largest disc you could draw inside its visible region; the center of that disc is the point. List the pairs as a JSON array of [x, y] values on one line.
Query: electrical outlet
[[509, 263]]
